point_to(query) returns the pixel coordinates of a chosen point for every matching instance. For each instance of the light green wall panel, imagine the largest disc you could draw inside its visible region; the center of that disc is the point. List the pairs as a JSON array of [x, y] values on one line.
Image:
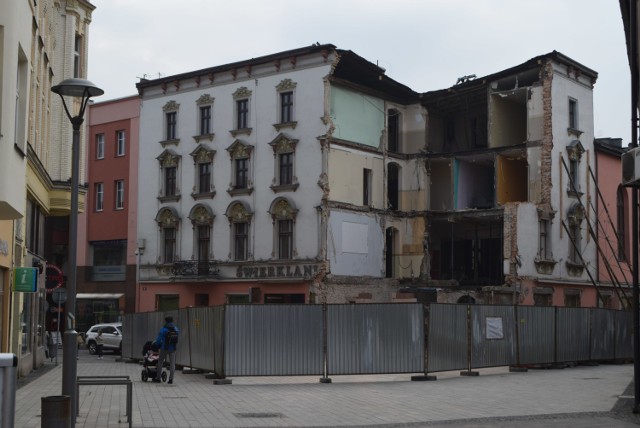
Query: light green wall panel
[[357, 117]]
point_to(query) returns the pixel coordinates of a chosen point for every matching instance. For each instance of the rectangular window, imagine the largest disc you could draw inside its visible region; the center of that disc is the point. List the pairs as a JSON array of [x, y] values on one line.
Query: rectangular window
[[572, 300], [119, 194], [242, 173], [171, 125], [393, 128], [285, 239], [204, 177], [242, 111], [573, 113], [241, 234], [573, 175], [574, 243], [203, 242], [205, 120], [99, 146], [286, 107], [543, 245], [169, 244], [366, 187], [286, 168], [77, 49], [170, 174], [120, 143], [99, 196], [540, 299]]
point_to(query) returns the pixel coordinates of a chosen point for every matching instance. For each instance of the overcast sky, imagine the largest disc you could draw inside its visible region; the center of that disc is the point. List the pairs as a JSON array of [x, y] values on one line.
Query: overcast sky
[[424, 44]]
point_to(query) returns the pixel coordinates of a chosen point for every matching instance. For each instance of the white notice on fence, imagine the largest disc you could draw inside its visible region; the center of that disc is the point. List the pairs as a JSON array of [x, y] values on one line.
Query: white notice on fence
[[494, 328]]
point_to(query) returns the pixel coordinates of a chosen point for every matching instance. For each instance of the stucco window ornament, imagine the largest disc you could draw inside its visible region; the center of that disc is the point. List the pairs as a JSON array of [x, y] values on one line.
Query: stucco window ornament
[[168, 158], [544, 261], [286, 85], [201, 215], [241, 93], [168, 218], [574, 151], [170, 106], [203, 161], [574, 264], [238, 212], [285, 92], [169, 166], [202, 154], [205, 100], [284, 179], [241, 181], [282, 209]]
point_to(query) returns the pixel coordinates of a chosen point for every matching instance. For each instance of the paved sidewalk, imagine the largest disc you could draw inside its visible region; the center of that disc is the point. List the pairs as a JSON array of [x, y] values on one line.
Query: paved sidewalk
[[579, 396]]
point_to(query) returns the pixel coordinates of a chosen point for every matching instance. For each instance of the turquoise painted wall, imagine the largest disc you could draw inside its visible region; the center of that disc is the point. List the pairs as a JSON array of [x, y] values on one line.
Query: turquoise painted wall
[[357, 117]]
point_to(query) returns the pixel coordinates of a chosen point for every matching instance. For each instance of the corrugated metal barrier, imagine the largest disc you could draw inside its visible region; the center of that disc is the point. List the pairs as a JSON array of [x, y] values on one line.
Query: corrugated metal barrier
[[270, 340], [447, 340], [273, 340], [375, 338]]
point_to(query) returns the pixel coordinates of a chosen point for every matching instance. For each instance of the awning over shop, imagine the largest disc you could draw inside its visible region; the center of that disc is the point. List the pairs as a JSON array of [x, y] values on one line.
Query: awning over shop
[[99, 295]]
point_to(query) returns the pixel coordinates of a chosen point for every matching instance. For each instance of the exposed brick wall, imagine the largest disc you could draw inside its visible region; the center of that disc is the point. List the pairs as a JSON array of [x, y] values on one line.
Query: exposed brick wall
[[547, 140]]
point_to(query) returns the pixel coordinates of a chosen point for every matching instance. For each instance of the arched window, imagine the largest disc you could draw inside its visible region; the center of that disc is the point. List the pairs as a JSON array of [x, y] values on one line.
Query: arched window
[[283, 212], [202, 220], [239, 216], [168, 222], [393, 183]]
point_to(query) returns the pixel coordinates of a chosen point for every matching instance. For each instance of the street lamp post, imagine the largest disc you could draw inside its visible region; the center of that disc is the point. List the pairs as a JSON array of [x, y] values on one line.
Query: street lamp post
[[83, 89]]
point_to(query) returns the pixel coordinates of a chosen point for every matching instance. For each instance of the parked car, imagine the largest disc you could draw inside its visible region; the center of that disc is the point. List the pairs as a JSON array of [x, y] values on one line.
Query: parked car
[[111, 337]]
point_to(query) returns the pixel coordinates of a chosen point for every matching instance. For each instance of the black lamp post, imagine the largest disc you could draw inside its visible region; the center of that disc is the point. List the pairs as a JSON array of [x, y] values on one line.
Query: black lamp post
[[83, 89]]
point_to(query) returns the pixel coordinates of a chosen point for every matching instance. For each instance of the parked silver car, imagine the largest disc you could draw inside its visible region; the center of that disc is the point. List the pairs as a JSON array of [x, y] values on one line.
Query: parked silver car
[[111, 336]]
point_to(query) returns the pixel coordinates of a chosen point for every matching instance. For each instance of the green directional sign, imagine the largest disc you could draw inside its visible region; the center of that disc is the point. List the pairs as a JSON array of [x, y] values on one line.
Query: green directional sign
[[25, 280]]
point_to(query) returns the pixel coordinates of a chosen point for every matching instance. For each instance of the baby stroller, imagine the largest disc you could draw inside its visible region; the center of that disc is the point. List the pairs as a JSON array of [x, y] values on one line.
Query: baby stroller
[[150, 362]]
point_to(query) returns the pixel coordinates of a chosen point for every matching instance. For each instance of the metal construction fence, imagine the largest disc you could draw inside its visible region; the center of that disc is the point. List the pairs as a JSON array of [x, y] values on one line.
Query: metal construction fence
[[291, 340]]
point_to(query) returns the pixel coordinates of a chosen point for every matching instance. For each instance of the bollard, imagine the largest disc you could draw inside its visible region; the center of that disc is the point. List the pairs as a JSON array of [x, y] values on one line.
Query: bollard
[[8, 380], [55, 411]]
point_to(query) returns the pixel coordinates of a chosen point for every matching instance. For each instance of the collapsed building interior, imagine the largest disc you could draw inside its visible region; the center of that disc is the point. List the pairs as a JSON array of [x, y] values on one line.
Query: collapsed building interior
[[478, 138]]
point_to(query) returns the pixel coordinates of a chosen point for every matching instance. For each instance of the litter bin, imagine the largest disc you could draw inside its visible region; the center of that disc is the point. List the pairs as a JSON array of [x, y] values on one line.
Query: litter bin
[[55, 411], [8, 381]]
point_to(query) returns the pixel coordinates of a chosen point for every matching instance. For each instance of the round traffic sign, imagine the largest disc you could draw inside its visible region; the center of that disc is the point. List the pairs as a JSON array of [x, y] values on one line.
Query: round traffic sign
[[59, 295], [54, 279]]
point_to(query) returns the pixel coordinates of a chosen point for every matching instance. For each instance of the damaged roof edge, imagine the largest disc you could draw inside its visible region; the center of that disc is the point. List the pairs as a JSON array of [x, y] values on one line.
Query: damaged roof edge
[[527, 65], [220, 68]]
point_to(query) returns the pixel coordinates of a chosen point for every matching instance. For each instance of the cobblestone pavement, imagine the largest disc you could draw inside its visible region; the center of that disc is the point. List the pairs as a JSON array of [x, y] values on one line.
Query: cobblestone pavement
[[580, 396]]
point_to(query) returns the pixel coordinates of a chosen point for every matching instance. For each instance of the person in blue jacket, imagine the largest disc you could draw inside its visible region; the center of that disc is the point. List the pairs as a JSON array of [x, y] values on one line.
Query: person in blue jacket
[[167, 342]]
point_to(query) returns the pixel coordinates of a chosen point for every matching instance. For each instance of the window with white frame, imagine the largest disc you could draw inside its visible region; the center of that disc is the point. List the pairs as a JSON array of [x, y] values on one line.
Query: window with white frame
[[99, 189], [205, 117], [242, 98], [169, 169], [241, 181], [202, 220], [99, 146], [573, 114], [284, 149], [203, 161], [283, 214], [119, 194], [286, 104], [120, 142], [170, 110], [239, 223], [168, 222]]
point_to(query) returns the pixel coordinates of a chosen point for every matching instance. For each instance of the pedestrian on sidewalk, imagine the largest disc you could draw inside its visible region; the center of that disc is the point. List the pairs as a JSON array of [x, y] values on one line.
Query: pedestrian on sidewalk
[[99, 344], [167, 341]]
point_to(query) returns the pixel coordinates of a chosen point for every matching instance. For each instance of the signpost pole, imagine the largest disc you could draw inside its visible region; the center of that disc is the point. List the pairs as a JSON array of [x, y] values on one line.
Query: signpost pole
[[57, 333]]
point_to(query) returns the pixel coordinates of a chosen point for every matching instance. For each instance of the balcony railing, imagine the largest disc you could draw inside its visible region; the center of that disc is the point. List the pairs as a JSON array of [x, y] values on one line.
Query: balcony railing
[[204, 268]]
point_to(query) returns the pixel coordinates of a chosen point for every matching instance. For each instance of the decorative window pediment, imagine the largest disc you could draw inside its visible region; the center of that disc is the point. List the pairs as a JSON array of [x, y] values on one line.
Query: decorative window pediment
[[205, 99], [239, 150], [575, 215], [201, 215], [171, 106], [242, 92], [202, 154], [238, 212], [169, 158], [283, 144], [286, 85], [167, 218], [575, 150], [283, 209]]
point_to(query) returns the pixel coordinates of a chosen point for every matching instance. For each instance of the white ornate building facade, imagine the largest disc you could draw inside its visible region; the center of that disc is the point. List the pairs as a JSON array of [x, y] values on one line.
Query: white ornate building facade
[[286, 178]]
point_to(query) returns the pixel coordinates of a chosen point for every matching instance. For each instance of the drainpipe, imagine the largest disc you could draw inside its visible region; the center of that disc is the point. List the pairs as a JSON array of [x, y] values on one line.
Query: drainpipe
[[633, 50]]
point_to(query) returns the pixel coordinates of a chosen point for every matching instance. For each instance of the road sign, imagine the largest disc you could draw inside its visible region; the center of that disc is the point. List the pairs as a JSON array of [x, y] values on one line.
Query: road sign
[[25, 280], [54, 279], [59, 296]]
